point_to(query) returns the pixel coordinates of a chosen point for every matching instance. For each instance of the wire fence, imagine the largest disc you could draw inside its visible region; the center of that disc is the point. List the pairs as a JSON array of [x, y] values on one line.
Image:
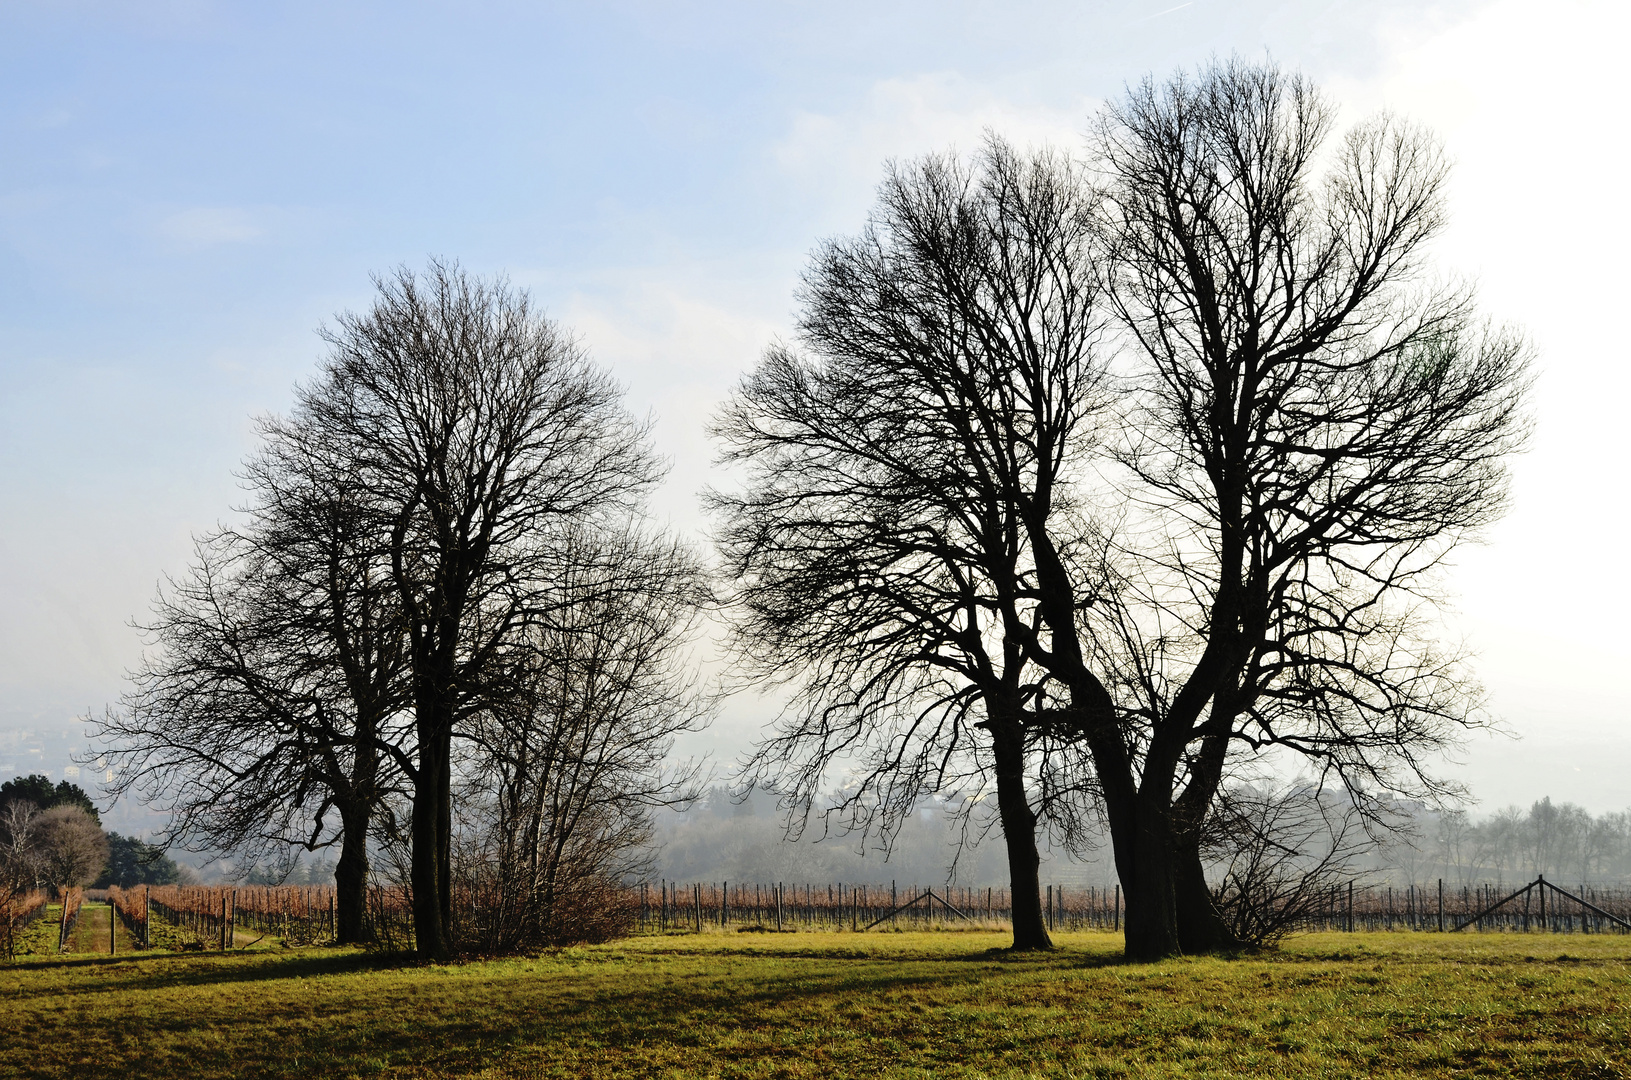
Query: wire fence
[[213, 917], [666, 906], [760, 906]]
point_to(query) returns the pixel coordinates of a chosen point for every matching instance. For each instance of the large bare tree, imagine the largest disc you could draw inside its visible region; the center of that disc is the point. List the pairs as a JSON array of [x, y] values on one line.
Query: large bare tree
[[894, 468], [267, 710], [70, 846], [1312, 423], [1239, 557], [480, 433]]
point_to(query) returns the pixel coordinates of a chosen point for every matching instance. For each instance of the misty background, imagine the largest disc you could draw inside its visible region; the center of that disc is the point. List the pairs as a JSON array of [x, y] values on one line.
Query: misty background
[[190, 189]]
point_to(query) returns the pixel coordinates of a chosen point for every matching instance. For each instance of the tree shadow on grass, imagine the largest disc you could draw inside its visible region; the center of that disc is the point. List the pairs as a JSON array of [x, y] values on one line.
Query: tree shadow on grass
[[168, 969], [478, 1026], [368, 1011], [460, 1018]]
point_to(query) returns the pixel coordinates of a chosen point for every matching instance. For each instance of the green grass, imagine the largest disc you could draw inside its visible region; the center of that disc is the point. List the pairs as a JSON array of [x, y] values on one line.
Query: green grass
[[836, 1005], [38, 938], [89, 935]]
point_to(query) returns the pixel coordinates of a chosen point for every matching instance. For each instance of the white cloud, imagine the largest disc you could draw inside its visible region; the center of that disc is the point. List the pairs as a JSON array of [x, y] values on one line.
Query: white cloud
[[679, 337], [208, 226], [840, 155]]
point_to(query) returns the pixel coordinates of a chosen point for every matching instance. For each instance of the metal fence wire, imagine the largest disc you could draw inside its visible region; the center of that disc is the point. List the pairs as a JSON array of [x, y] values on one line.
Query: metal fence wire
[[666, 906]]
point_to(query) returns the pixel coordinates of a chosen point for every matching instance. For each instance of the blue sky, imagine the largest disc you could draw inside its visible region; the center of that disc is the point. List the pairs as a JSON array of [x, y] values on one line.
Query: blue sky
[[188, 189]]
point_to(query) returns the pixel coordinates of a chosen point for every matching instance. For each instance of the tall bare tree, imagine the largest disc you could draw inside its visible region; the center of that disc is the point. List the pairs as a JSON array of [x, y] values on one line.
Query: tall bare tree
[[70, 846], [267, 711], [894, 471], [1241, 556], [480, 433], [1311, 425]]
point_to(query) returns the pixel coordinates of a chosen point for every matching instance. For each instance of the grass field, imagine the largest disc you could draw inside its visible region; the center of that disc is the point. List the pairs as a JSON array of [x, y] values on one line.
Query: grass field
[[837, 1005]]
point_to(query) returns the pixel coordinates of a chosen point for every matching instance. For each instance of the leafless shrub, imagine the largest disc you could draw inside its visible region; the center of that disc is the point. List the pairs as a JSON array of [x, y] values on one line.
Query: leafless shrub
[[566, 766], [1279, 858]]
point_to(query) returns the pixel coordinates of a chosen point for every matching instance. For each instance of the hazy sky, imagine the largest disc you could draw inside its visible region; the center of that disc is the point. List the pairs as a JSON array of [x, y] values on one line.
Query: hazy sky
[[187, 190]]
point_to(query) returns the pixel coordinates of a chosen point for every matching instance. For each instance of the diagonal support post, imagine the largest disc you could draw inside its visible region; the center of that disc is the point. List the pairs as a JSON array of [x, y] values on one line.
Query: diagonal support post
[[947, 905], [1543, 884], [1474, 918], [927, 894], [1587, 904], [896, 910]]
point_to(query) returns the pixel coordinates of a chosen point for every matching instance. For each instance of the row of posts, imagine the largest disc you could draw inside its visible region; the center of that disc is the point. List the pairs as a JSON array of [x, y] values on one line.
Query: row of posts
[[677, 906], [684, 907], [226, 928]]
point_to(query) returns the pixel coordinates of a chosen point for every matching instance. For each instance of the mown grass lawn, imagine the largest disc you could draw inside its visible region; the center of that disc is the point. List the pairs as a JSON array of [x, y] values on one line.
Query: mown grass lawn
[[837, 1005]]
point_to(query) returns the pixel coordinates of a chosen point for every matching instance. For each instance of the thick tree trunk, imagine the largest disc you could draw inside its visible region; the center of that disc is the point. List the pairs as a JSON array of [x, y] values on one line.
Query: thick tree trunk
[[351, 879], [1201, 927], [1150, 888], [432, 834], [1019, 831]]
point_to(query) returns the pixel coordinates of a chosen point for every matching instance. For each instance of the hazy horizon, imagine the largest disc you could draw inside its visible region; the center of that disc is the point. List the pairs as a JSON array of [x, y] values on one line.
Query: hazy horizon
[[193, 189]]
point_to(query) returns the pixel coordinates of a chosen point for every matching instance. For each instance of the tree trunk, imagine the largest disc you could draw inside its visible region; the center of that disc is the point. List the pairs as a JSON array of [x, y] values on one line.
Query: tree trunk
[[432, 833], [1019, 831], [351, 879], [1201, 927], [1146, 863]]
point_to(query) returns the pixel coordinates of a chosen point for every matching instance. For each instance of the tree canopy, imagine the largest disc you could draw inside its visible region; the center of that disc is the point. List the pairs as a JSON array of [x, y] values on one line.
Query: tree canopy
[[1154, 459], [38, 790]]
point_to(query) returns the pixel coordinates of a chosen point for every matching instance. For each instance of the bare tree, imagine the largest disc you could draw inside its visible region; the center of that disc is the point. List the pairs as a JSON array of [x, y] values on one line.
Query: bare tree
[[70, 847], [479, 433], [1243, 557], [265, 713], [894, 472], [566, 766], [1312, 424], [19, 856]]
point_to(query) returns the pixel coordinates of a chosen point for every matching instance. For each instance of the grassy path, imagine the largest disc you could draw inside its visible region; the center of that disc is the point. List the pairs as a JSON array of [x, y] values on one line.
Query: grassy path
[[826, 1006], [90, 933]]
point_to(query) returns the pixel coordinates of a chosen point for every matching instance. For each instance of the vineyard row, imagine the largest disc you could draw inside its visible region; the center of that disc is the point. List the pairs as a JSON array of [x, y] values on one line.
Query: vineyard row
[[213, 916]]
